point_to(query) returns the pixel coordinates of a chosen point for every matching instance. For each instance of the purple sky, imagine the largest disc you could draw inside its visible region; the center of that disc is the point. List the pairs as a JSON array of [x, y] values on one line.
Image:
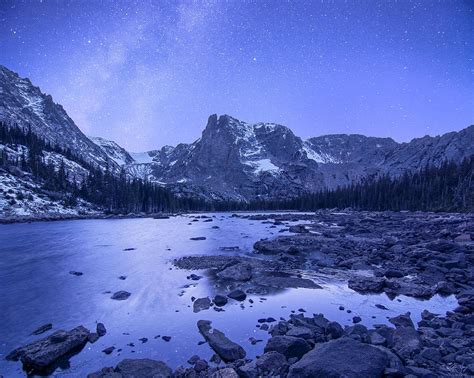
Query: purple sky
[[149, 73]]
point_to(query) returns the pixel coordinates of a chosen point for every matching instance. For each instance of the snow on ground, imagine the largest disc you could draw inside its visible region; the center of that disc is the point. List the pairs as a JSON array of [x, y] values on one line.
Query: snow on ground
[[20, 197]]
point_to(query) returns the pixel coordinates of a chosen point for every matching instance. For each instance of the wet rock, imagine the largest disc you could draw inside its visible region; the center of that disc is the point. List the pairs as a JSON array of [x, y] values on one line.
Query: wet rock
[[100, 329], [402, 321], [93, 337], [235, 248], [75, 273], [238, 295], [123, 278], [194, 277], [166, 338], [201, 304], [288, 346], [271, 364], [283, 282], [224, 373], [334, 330], [135, 368], [225, 348], [201, 365], [193, 359], [356, 319], [303, 332], [405, 342], [39, 355], [377, 339], [120, 295], [341, 358], [109, 350], [220, 300], [367, 284], [237, 272], [42, 329]]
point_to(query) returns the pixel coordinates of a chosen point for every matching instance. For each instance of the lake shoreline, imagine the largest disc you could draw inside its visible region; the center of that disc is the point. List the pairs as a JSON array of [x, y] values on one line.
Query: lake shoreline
[[244, 259]]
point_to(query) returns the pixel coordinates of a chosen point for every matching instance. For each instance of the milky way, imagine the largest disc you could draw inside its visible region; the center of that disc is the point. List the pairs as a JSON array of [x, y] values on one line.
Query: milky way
[[148, 73]]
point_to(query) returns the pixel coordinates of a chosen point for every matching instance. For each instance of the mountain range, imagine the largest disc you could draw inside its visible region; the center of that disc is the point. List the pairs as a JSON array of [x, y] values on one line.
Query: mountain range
[[232, 160]]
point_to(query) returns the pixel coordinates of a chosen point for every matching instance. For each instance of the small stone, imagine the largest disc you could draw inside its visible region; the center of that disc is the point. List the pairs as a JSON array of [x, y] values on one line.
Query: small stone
[[109, 350], [120, 295]]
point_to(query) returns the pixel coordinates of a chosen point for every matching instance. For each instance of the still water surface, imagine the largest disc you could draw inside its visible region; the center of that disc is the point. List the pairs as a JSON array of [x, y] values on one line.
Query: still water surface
[[36, 288]]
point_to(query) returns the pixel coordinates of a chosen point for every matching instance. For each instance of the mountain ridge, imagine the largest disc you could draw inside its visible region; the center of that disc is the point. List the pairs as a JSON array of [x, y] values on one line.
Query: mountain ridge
[[232, 159]]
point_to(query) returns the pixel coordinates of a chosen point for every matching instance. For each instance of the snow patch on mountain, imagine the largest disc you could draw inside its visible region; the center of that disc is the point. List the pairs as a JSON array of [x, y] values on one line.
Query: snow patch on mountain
[[142, 157]]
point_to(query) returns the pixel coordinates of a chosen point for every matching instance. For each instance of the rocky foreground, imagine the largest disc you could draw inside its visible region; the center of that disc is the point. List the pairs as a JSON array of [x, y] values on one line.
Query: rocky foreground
[[414, 254]]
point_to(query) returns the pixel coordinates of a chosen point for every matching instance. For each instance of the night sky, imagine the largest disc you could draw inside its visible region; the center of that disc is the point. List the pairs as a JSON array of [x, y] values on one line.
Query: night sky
[[149, 73]]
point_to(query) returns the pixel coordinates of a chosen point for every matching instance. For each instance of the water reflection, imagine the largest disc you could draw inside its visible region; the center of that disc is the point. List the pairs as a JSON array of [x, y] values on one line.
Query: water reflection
[[36, 288]]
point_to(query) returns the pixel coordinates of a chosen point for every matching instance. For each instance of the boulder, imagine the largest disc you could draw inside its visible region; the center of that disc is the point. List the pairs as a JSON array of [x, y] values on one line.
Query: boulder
[[225, 348], [201, 304], [220, 300], [341, 358], [289, 346], [135, 368], [303, 332], [120, 295], [39, 355], [238, 295], [101, 330], [367, 284], [403, 320], [237, 272], [405, 342], [224, 373]]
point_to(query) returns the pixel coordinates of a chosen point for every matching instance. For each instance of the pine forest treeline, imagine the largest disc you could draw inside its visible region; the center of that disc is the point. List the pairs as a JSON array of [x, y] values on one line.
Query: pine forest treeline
[[449, 187], [113, 191]]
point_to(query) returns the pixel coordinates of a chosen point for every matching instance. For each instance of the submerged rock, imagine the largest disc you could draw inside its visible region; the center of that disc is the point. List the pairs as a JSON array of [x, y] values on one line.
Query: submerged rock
[[201, 304], [121, 295], [100, 329], [225, 348], [42, 329]]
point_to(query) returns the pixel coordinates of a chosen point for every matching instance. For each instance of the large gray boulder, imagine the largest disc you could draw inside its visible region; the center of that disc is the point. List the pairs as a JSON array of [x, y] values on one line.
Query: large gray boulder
[[341, 358], [225, 348], [39, 355], [135, 368], [289, 346]]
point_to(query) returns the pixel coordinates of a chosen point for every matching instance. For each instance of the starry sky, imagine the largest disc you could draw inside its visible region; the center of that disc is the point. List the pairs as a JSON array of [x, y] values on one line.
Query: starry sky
[[149, 73]]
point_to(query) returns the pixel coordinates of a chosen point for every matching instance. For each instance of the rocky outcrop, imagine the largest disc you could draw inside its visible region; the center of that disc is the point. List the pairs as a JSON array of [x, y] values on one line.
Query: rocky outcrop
[[42, 354], [135, 368], [225, 348]]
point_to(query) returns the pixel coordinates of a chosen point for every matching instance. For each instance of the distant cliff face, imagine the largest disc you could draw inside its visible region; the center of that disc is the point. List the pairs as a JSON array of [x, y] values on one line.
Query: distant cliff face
[[234, 159], [237, 160]]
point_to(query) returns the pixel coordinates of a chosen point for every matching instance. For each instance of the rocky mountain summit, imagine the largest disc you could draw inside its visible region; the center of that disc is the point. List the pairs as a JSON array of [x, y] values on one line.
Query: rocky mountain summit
[[232, 160], [241, 161]]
